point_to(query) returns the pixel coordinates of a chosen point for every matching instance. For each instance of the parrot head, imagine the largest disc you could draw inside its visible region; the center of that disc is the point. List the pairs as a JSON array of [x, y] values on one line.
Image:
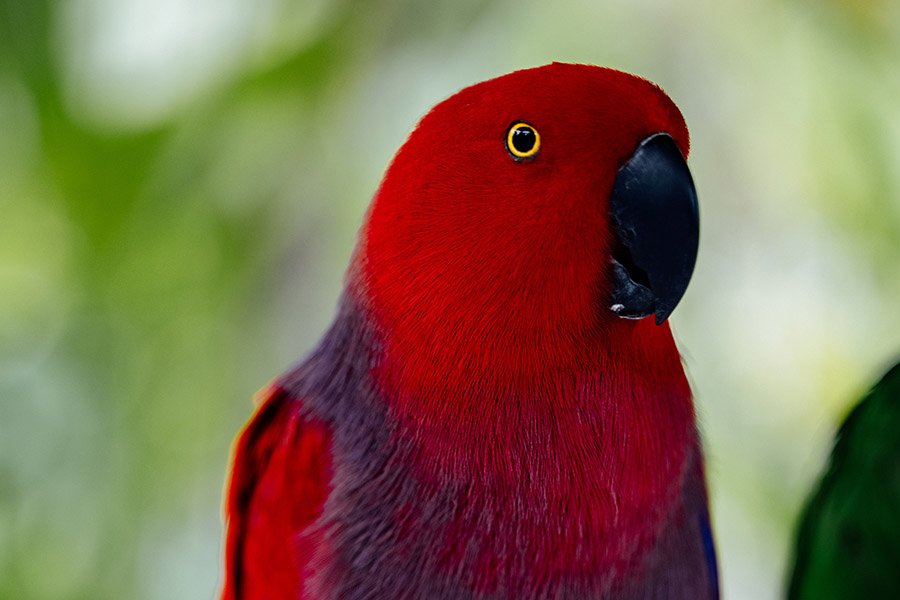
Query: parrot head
[[552, 203]]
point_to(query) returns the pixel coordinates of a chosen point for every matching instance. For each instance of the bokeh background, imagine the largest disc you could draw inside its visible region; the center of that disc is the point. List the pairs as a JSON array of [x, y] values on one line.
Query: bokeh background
[[180, 186]]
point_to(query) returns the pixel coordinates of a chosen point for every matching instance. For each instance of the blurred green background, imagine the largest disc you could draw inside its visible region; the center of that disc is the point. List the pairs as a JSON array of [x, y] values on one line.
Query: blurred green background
[[180, 186]]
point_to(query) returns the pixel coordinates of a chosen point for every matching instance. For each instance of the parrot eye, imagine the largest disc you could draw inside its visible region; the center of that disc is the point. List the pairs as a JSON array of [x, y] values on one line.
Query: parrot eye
[[523, 141]]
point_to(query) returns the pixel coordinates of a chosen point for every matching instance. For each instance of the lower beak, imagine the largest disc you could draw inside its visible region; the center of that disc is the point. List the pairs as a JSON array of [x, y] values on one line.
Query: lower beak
[[657, 228]]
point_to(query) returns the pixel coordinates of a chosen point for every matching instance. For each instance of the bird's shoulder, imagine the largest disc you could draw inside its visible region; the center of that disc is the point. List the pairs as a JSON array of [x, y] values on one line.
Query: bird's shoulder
[[279, 480]]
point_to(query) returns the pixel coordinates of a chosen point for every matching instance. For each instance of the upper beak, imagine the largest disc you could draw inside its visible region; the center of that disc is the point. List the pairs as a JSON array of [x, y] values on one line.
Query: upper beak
[[657, 227]]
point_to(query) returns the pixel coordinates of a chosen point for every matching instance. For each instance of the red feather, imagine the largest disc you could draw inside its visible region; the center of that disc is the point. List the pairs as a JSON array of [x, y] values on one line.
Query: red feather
[[482, 424], [279, 482], [488, 275]]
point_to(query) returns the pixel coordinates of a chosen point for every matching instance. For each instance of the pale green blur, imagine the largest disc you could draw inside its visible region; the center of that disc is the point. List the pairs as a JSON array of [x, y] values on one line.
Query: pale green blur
[[181, 182]]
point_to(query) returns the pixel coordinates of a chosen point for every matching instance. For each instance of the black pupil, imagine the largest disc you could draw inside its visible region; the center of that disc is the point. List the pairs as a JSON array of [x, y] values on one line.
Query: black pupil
[[523, 139]]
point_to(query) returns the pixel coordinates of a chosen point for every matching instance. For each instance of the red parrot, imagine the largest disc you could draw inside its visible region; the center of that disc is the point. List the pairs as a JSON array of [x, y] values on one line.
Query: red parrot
[[499, 410]]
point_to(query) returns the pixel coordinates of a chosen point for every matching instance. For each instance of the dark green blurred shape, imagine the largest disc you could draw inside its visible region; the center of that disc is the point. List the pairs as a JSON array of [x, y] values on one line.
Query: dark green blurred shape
[[848, 544]]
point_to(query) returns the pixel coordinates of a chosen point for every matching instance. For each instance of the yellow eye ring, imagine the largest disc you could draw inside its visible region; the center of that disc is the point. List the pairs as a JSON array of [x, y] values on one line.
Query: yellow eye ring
[[522, 141]]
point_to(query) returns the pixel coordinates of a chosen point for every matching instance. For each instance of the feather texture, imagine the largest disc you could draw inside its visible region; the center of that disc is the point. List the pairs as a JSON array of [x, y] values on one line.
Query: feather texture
[[477, 424]]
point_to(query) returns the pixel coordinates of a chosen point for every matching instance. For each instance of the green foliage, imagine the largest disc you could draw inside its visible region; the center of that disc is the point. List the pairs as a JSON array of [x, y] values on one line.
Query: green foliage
[[848, 543]]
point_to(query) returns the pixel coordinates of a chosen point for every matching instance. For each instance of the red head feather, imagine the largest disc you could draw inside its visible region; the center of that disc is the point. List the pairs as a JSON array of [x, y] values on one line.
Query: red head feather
[[485, 272], [483, 268], [478, 410], [487, 279]]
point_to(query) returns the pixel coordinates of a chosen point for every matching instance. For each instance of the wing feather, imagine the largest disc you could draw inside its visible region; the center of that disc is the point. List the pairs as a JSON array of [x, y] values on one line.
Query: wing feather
[[280, 479]]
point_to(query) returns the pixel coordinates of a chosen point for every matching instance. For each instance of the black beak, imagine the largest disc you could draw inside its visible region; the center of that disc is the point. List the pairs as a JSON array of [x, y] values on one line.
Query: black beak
[[657, 226]]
